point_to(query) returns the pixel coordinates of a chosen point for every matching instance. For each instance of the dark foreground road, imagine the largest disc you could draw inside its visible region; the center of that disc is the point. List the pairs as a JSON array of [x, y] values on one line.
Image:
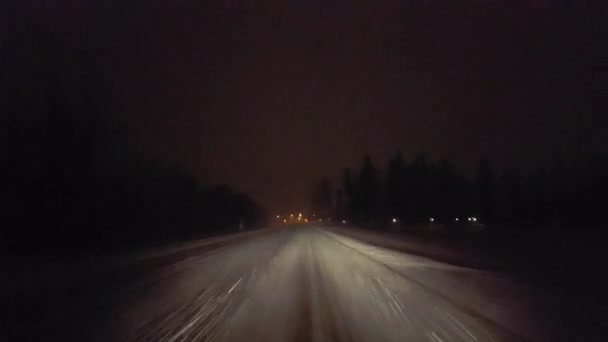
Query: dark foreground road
[[299, 284]]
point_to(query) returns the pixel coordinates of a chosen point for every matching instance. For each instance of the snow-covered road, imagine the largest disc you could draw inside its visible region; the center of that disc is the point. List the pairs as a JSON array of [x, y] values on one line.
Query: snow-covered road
[[299, 284]]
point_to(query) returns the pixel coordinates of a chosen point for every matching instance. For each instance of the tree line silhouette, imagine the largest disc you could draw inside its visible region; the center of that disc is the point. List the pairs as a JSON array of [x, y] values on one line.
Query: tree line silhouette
[[71, 183], [566, 194]]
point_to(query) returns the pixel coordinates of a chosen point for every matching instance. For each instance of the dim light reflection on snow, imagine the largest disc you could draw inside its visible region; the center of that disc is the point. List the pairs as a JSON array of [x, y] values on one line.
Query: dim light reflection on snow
[[310, 285]]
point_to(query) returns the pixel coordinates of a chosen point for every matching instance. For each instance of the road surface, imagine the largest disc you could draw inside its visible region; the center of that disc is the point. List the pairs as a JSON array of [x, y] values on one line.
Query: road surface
[[295, 284]]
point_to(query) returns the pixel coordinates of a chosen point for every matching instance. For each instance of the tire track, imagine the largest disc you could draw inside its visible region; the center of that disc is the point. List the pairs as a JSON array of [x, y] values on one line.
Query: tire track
[[506, 333]]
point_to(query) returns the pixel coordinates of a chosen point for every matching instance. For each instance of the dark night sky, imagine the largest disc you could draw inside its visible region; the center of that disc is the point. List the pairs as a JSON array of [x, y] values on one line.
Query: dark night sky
[[272, 96]]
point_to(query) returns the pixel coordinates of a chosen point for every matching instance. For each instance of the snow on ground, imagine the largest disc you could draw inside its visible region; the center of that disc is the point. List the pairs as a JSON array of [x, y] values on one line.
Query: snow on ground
[[299, 284]]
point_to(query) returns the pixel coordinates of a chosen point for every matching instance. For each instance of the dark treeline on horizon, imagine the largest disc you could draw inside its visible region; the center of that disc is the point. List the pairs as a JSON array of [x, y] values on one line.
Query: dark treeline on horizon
[[71, 182], [565, 194]]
